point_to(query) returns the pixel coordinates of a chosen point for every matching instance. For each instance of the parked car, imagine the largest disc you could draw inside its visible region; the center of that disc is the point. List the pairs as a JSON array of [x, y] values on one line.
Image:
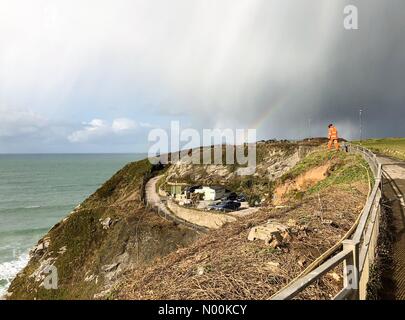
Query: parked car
[[231, 196], [225, 206], [241, 198], [213, 205], [191, 189]]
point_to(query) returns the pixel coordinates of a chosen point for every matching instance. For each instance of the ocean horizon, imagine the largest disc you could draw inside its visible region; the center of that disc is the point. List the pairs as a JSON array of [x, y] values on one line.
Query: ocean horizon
[[37, 190]]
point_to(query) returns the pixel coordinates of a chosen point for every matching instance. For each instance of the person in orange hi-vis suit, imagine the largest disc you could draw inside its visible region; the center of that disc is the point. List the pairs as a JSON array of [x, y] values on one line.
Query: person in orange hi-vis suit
[[333, 137]]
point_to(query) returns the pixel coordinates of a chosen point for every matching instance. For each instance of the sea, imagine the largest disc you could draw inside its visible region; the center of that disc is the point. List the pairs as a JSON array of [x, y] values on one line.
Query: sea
[[37, 191]]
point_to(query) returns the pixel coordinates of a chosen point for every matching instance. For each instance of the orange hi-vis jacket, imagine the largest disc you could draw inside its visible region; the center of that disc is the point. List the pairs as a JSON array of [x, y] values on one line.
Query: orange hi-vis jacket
[[333, 134]]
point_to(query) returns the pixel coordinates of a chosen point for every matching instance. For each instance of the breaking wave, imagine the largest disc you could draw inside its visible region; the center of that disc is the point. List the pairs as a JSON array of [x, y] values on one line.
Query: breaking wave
[[9, 269]]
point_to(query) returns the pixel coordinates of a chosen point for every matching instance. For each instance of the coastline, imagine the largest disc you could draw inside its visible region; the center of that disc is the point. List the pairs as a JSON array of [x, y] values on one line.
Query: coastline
[[52, 186]]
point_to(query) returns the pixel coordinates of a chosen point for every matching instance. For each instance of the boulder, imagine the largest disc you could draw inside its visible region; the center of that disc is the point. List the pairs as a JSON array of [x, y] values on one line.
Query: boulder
[[106, 223], [273, 233], [40, 248]]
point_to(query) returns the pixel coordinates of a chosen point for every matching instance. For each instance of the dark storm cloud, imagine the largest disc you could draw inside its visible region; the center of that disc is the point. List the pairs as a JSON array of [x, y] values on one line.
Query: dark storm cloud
[[293, 69], [360, 69], [286, 67], [368, 71]]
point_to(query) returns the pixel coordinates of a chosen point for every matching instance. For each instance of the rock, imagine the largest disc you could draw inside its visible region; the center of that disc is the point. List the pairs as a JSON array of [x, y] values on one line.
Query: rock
[[302, 261], [330, 223], [272, 266], [276, 241], [273, 233], [47, 242], [62, 250], [123, 258], [42, 245], [106, 223], [39, 247], [111, 271], [275, 224], [291, 223], [90, 278], [334, 276], [102, 294], [109, 267], [200, 270], [286, 236]]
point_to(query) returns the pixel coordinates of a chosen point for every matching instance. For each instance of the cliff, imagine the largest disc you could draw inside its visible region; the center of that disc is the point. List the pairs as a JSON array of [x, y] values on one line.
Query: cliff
[[108, 233], [113, 246]]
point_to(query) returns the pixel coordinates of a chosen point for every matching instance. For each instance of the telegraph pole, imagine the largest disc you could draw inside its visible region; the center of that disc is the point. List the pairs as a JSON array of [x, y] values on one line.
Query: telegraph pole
[[361, 124]]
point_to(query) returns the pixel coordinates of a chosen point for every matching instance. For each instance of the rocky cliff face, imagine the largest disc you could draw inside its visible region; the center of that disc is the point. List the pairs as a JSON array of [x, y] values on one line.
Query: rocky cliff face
[[273, 158], [103, 237]]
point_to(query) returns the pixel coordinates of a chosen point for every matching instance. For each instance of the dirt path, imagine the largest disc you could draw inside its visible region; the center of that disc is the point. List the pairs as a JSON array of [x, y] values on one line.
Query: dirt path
[[152, 198], [155, 202], [190, 217], [394, 191]]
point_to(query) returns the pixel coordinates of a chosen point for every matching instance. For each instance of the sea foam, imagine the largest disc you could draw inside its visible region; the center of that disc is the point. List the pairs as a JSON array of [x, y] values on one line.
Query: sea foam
[[9, 269]]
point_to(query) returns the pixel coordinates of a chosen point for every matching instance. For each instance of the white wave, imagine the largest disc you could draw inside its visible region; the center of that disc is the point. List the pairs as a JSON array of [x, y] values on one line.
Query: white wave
[[9, 269], [32, 207]]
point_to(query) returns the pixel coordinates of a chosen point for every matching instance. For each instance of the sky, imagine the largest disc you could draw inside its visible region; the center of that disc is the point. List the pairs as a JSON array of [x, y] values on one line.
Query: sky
[[97, 76]]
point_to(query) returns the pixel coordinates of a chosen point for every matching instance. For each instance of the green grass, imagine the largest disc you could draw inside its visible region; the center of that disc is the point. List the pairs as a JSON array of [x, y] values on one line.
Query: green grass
[[352, 169], [314, 159], [393, 147], [345, 169], [132, 175]]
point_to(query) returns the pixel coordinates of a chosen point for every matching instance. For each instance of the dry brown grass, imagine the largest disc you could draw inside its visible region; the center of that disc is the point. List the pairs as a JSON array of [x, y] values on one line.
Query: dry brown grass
[[235, 268]]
